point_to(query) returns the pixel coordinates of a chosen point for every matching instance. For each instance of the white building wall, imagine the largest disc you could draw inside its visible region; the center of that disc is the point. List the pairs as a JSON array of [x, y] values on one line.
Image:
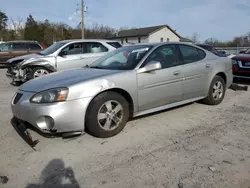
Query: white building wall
[[164, 34], [133, 40]]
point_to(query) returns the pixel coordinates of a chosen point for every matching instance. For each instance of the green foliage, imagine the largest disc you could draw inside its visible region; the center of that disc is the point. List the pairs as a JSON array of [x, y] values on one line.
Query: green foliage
[[3, 20]]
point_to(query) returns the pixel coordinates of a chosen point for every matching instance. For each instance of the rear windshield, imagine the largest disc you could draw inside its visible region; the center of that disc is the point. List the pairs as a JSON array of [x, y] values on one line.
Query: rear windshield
[[115, 44]]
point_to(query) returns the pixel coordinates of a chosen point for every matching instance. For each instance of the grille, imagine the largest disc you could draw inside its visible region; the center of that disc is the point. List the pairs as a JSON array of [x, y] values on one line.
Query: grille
[[17, 98]]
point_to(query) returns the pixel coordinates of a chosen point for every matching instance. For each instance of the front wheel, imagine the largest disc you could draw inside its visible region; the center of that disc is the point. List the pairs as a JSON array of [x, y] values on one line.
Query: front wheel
[[38, 71], [107, 115], [216, 91]]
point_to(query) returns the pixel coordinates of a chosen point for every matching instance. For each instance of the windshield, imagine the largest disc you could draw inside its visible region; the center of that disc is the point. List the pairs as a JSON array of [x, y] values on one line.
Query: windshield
[[51, 49], [125, 58]]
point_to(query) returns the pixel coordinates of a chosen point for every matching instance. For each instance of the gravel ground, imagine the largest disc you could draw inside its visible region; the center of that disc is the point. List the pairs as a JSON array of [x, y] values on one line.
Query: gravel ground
[[191, 146]]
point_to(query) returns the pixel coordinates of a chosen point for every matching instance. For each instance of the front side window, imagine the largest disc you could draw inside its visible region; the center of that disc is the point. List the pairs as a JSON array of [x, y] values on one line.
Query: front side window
[[51, 49], [95, 47], [73, 49], [190, 54], [125, 58], [166, 55]]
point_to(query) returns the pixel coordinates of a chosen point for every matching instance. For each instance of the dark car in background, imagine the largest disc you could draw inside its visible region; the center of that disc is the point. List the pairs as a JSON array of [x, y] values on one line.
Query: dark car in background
[[13, 49], [241, 65], [212, 49]]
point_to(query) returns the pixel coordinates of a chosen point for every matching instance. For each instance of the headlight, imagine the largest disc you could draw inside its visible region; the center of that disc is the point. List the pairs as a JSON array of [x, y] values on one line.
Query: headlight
[[50, 96], [234, 62]]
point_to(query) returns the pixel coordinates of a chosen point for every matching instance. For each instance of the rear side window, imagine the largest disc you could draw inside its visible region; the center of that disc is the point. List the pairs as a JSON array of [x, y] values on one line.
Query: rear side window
[[202, 54], [33, 46], [115, 44], [94, 47], [19, 46], [191, 54]]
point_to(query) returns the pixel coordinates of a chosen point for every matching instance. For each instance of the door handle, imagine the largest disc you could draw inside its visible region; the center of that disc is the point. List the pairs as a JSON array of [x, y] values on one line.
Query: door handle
[[208, 65], [176, 73], [81, 58]]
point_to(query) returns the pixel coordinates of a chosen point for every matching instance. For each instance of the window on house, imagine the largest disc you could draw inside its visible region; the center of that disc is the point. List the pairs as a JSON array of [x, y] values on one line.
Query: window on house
[[161, 39], [122, 41], [126, 40], [139, 39], [167, 39]]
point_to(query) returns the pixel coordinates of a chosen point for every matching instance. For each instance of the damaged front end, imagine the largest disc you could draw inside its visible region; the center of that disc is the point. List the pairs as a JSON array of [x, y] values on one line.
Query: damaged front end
[[17, 74]]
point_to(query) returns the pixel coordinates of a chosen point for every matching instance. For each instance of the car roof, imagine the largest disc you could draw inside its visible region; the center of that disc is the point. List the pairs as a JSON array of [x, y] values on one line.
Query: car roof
[[162, 43], [88, 40], [22, 41]]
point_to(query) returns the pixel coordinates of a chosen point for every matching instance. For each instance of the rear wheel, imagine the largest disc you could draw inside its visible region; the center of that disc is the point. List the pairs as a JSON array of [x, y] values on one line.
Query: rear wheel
[[107, 115], [216, 91]]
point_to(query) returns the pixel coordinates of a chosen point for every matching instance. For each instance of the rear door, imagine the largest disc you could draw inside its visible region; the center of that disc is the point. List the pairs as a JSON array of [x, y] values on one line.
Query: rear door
[[19, 48], [92, 52], [195, 71], [33, 47]]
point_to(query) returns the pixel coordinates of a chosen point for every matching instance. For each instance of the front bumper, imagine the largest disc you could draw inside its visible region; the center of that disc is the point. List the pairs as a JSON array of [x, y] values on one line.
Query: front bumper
[[61, 117]]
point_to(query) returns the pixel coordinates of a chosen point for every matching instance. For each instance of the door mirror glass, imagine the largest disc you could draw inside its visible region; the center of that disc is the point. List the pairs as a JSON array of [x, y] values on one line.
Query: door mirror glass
[[151, 66]]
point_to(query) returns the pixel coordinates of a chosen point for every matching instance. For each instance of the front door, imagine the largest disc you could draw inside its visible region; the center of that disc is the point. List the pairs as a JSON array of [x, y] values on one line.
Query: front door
[[164, 86], [195, 72], [78, 55]]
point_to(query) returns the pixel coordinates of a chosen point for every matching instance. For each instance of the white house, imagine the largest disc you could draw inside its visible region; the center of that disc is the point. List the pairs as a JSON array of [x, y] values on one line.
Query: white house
[[160, 33]]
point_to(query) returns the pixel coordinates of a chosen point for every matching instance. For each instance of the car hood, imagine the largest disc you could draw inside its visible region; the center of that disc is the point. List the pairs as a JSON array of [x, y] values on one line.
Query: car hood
[[65, 79], [23, 57], [242, 57]]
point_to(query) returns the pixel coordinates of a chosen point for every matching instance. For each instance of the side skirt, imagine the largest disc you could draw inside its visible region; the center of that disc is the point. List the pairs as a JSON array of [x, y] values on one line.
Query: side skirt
[[167, 106]]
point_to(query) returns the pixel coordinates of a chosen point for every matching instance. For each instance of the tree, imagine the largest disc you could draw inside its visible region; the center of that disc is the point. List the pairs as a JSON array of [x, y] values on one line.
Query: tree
[[3, 20], [195, 38], [31, 31]]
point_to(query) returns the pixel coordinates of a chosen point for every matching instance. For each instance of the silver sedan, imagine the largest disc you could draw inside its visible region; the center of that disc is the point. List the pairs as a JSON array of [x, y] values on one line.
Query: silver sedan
[[128, 82]]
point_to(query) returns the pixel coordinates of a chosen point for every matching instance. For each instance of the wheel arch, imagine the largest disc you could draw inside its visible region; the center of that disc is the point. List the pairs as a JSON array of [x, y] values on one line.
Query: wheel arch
[[123, 93], [222, 75]]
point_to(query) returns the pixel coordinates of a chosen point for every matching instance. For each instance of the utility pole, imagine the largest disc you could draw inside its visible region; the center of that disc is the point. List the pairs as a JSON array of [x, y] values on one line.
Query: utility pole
[[83, 8]]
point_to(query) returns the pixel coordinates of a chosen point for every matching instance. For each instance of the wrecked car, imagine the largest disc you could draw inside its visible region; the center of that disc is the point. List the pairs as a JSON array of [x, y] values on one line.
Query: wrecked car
[[128, 82], [59, 56]]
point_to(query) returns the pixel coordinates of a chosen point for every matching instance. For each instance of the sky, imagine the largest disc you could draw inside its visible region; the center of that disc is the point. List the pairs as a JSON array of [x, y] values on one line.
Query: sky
[[220, 19]]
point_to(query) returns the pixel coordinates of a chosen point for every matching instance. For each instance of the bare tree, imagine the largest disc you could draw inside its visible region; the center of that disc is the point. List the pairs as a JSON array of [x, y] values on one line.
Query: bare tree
[[17, 27], [195, 38]]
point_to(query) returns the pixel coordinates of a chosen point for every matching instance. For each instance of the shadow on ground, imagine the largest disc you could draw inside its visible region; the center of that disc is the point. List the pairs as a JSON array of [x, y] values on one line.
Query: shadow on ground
[[56, 175]]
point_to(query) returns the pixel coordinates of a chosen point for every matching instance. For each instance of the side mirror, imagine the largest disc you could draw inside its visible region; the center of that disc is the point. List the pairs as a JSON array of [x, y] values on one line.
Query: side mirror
[[62, 53], [151, 66]]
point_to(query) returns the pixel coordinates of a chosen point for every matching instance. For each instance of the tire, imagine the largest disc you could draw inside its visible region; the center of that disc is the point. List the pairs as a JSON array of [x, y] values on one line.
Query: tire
[[36, 70], [211, 99], [98, 119]]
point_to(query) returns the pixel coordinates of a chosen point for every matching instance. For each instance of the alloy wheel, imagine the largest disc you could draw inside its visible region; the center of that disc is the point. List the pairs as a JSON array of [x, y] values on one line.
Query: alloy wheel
[[110, 115], [218, 90]]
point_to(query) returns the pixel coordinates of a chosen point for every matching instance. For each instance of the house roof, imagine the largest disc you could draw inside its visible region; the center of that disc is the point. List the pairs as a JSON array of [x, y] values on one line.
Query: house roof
[[137, 32], [182, 39]]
